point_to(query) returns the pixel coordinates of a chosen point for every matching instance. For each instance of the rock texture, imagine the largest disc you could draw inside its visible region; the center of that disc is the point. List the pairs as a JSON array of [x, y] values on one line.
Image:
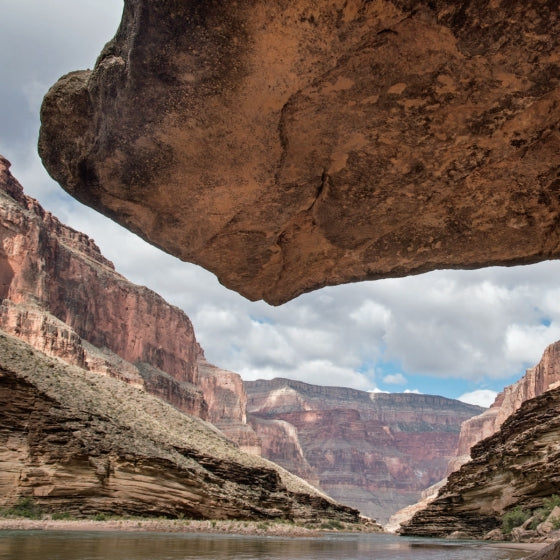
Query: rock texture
[[83, 443], [287, 146], [537, 380], [517, 466], [59, 293], [375, 452], [227, 404]]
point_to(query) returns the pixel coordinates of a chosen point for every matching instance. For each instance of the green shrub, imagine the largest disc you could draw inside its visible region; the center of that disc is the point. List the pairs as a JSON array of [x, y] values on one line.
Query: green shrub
[[25, 507], [539, 516], [61, 515], [550, 503], [514, 518], [100, 516]]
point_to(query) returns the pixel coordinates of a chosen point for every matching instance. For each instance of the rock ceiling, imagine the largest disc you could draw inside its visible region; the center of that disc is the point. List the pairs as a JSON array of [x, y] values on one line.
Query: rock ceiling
[[286, 146]]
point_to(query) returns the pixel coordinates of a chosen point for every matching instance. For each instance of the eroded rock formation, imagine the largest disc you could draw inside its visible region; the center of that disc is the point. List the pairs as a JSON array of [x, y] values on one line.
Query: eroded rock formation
[[287, 146], [83, 443], [517, 466], [537, 380], [375, 452], [59, 293]]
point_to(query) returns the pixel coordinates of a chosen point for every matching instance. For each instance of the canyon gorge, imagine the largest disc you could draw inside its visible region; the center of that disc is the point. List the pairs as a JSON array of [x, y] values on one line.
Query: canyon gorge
[[78, 340], [373, 451], [63, 298]]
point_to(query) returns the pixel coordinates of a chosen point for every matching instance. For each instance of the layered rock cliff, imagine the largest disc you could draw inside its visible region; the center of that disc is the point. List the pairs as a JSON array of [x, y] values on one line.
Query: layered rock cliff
[[83, 443], [537, 380], [287, 146], [376, 452], [517, 466], [59, 293]]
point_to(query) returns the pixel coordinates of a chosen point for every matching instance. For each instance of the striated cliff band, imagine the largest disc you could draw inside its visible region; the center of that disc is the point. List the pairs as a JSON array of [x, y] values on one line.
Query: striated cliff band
[[59, 293], [375, 452], [287, 146], [83, 443], [536, 381], [517, 466]]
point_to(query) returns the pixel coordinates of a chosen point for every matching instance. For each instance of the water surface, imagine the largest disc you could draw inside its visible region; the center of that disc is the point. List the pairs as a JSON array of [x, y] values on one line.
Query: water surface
[[68, 545]]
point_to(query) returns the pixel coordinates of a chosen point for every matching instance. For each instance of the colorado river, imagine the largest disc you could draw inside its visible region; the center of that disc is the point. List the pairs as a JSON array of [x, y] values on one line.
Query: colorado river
[[63, 545]]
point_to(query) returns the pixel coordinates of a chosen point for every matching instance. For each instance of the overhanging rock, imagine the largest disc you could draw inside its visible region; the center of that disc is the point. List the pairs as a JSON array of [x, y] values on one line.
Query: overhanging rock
[[286, 146]]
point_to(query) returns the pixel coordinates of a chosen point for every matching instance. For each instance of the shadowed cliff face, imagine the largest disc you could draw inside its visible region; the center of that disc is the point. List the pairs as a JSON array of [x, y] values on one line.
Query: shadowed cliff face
[[374, 452], [287, 146], [518, 466]]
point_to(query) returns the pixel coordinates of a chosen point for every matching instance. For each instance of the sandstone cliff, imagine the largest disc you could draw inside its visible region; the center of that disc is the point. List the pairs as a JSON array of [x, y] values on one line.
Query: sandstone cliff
[[376, 452], [59, 293], [83, 443], [538, 379], [517, 466], [287, 146], [227, 404]]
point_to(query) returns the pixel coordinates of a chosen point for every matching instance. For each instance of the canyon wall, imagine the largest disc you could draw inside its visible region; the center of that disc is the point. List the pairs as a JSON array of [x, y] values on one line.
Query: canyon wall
[[517, 466], [59, 293], [537, 380], [376, 452], [78, 442]]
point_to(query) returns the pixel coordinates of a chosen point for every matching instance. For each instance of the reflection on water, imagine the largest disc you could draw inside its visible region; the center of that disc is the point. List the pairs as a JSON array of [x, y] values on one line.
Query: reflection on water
[[62, 545]]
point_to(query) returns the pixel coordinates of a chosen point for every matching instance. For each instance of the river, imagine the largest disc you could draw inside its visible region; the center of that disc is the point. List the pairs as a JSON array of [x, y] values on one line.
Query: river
[[70, 545]]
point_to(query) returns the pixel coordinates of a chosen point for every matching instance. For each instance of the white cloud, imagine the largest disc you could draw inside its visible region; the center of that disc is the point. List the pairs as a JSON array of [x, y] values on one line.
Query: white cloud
[[395, 379], [480, 397], [413, 391], [525, 343]]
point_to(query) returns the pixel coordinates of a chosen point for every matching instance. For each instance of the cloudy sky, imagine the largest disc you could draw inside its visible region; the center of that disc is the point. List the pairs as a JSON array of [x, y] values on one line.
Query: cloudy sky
[[458, 334]]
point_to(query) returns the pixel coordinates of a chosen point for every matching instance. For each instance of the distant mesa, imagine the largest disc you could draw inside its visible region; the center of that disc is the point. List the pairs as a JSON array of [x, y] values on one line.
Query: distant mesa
[[290, 146]]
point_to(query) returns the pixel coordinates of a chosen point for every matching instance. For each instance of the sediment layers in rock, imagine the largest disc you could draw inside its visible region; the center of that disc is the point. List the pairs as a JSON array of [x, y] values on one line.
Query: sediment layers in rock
[[517, 466], [376, 452], [83, 443]]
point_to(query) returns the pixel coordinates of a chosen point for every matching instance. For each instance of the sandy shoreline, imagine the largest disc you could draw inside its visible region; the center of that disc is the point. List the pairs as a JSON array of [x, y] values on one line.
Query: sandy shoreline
[[530, 547], [160, 526]]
